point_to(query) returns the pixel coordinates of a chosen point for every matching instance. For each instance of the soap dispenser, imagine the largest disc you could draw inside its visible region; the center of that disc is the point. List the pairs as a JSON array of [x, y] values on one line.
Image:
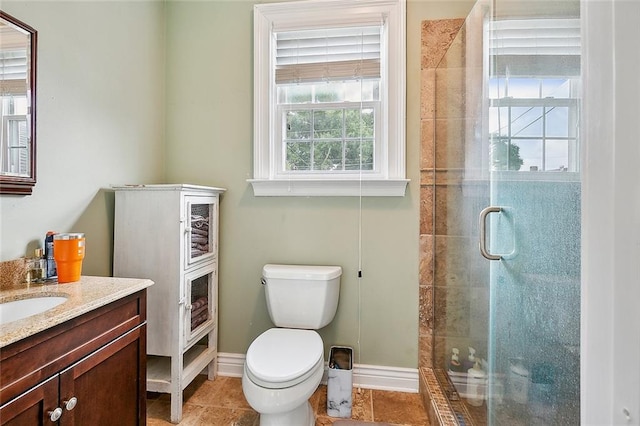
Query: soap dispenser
[[476, 385]]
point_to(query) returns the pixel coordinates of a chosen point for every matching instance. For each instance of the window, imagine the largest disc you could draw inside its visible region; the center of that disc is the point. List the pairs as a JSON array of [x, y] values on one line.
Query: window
[[329, 98], [534, 81], [533, 124]]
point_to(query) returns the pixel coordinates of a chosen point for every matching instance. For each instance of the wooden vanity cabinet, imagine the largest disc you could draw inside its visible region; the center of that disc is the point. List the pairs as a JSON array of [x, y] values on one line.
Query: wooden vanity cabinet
[[88, 371], [31, 407]]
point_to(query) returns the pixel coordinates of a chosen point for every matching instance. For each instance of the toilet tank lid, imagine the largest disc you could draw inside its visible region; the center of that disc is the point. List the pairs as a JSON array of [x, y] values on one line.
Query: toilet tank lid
[[301, 272]]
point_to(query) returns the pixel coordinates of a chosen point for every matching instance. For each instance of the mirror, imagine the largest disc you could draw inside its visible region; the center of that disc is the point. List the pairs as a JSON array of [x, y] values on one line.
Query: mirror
[[18, 45]]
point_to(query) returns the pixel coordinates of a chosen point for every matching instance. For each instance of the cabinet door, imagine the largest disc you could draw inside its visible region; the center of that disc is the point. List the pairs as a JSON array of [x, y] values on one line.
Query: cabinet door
[[109, 385], [200, 309], [32, 407], [201, 229]]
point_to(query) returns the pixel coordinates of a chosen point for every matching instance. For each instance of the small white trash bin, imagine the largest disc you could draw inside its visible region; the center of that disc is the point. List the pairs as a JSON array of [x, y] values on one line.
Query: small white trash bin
[[340, 381]]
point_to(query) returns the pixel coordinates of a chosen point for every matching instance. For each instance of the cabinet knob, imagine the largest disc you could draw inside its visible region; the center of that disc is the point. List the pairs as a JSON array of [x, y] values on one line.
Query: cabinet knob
[[188, 229], [55, 415], [70, 404]]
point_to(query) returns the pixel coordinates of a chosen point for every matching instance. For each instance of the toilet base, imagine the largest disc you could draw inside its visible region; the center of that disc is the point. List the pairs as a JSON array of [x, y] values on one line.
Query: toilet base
[[300, 416]]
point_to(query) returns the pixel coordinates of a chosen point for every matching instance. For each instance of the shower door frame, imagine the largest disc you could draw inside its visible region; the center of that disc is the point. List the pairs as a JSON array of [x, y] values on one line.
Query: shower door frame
[[610, 321]]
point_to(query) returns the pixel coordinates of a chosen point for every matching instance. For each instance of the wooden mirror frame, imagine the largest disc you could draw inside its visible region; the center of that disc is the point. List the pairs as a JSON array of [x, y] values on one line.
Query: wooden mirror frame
[[23, 185]]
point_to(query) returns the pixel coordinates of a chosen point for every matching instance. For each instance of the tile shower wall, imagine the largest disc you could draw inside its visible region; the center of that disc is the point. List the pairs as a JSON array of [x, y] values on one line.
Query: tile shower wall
[[461, 275], [454, 288], [436, 38]]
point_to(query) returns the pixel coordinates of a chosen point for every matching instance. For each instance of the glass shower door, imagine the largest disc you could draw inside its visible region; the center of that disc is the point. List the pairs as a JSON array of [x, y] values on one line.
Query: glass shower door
[[534, 341], [532, 233]]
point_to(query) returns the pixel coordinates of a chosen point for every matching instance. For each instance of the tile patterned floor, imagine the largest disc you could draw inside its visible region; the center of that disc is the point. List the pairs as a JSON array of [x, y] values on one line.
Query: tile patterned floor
[[221, 403]]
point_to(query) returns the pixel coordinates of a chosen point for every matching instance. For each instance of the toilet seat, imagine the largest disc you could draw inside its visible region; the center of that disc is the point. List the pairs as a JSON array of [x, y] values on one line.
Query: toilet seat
[[283, 357]]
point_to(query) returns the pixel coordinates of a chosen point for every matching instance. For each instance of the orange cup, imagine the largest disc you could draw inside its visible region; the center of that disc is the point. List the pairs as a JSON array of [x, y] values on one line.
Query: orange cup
[[68, 252]]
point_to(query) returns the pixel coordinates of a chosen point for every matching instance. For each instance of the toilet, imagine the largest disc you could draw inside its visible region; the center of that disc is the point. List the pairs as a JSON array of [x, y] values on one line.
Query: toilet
[[284, 365]]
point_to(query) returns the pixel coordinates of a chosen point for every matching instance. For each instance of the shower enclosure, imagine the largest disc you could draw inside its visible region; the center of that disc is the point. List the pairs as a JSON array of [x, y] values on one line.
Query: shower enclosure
[[507, 214]]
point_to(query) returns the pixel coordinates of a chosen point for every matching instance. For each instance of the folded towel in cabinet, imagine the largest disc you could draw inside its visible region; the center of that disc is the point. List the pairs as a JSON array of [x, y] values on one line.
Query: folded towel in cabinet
[[197, 312], [201, 301]]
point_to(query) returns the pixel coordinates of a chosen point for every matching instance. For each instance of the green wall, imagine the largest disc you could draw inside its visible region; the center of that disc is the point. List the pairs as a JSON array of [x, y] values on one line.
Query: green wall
[[209, 142], [100, 115], [154, 91]]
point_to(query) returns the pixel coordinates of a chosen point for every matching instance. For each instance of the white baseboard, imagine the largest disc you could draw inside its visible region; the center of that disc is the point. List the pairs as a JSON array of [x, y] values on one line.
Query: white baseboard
[[364, 376], [230, 365]]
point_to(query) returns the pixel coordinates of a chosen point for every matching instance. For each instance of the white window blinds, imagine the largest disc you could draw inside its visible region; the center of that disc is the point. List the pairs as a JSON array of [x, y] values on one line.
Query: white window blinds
[[13, 71], [535, 47], [535, 37], [327, 54]]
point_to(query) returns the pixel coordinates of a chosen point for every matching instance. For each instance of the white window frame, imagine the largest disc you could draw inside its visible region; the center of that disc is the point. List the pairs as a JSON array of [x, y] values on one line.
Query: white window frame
[[390, 179], [279, 154], [545, 104]]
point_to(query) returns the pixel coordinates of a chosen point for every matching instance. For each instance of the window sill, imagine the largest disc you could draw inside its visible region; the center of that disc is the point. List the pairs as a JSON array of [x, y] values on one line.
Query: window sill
[[329, 188]]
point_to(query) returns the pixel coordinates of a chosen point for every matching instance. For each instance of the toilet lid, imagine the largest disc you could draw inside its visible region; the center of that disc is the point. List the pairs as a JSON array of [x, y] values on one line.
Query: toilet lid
[[283, 357]]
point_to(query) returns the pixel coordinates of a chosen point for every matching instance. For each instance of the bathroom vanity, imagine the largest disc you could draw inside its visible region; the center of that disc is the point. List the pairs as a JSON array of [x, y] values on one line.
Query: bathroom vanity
[[169, 233], [80, 363]]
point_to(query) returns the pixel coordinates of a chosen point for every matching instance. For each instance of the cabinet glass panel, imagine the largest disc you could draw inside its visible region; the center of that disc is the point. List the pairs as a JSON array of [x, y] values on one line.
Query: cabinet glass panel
[[200, 230], [200, 305]]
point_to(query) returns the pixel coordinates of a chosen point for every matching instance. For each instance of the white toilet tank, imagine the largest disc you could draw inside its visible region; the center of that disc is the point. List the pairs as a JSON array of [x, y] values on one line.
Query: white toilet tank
[[300, 296]]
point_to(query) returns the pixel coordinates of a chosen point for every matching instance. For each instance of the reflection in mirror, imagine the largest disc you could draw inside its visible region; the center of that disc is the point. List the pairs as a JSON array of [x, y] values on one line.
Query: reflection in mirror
[[17, 106]]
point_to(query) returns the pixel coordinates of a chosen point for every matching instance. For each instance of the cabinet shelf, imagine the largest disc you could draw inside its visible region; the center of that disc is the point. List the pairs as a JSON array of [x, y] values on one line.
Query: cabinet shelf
[[195, 361]]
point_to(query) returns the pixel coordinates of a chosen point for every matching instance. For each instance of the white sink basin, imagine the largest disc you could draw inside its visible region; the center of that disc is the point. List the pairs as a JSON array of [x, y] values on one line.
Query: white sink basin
[[23, 308]]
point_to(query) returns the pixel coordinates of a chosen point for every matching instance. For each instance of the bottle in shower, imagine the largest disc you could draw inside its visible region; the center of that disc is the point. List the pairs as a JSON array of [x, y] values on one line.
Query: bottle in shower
[[454, 362], [518, 381], [470, 362], [476, 385]]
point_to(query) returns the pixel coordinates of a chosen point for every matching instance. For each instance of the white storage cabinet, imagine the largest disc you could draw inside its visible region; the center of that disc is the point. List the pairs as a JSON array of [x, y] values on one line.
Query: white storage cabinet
[[169, 234]]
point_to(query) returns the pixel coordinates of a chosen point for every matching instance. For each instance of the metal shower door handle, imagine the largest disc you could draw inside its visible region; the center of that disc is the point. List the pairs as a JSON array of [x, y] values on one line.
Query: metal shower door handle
[[483, 232]]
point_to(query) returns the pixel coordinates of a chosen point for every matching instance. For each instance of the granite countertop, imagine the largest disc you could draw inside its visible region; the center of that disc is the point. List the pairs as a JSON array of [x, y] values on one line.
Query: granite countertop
[[83, 296]]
